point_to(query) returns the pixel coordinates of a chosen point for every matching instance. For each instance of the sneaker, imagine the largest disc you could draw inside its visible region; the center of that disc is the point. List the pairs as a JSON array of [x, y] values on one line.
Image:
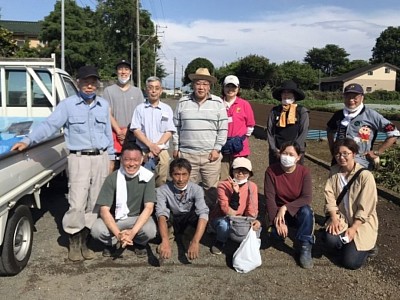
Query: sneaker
[[217, 248], [140, 250], [305, 259]]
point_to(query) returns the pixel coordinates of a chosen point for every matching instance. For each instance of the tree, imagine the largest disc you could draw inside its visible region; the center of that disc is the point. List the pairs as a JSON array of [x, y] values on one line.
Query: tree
[[7, 44], [81, 43], [254, 72], [327, 59], [387, 47], [194, 65], [352, 65], [117, 22], [303, 74]]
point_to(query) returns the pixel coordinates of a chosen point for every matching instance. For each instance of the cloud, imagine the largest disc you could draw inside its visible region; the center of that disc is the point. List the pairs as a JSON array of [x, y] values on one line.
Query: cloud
[[278, 36]]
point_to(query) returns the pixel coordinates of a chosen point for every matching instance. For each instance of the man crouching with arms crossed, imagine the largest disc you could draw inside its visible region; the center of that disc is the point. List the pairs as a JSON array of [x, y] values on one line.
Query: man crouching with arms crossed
[[180, 208], [126, 203]]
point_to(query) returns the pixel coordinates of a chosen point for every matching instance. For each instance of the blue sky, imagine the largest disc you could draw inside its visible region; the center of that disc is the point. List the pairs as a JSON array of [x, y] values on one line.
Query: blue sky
[[226, 30]]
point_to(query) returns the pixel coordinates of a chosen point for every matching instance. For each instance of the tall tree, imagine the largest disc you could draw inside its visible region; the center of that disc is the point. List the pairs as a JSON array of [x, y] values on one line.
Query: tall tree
[[117, 21], [81, 45], [194, 65], [8, 46], [327, 59], [255, 71], [387, 47], [352, 65], [303, 74]]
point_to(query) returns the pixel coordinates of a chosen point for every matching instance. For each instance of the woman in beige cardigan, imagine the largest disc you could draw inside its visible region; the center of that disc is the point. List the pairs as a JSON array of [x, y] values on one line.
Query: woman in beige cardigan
[[358, 208]]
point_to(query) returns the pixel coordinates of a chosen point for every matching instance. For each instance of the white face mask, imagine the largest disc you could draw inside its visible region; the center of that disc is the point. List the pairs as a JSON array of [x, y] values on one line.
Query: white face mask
[[288, 161], [123, 80], [181, 189], [287, 101], [351, 110], [242, 181]]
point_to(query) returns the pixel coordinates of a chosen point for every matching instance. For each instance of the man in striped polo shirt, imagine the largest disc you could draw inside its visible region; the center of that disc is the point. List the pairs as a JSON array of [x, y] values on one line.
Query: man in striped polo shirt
[[201, 130]]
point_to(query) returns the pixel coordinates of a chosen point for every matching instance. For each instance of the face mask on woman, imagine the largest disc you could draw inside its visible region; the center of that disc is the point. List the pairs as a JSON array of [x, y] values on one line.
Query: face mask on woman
[[287, 101], [288, 161], [240, 181]]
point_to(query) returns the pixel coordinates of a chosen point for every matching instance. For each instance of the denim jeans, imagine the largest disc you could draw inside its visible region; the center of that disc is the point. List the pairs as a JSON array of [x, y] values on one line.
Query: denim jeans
[[303, 221], [221, 227], [351, 258]]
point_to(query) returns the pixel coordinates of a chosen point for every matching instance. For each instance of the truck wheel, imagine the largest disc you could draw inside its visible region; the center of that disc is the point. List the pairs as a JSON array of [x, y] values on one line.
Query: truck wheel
[[17, 243]]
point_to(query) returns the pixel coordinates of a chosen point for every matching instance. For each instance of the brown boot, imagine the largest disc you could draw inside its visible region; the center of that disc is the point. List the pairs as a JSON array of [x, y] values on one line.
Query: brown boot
[[86, 252], [74, 252]]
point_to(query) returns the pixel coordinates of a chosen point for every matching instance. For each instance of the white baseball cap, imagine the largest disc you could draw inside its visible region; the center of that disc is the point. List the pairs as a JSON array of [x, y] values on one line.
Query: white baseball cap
[[231, 79]]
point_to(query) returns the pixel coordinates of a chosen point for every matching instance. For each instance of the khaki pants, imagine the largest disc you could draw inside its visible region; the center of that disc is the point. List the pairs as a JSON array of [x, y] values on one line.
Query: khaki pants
[[86, 174], [162, 168], [226, 165], [202, 167]]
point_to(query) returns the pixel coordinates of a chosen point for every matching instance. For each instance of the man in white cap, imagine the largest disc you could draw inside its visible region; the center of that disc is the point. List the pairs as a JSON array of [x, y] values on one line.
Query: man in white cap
[[201, 130]]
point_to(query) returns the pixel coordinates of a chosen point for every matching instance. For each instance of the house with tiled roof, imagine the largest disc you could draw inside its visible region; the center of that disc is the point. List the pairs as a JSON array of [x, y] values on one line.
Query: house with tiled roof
[[371, 78], [23, 31]]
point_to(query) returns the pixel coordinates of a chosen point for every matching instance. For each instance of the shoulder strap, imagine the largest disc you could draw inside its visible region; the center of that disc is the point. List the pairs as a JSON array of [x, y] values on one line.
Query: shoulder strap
[[347, 186]]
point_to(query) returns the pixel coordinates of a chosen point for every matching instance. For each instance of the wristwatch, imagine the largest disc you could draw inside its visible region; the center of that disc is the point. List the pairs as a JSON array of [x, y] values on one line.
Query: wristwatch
[[377, 153]]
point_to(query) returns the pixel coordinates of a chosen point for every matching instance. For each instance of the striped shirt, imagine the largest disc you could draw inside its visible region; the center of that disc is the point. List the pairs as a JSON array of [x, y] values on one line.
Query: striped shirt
[[200, 128]]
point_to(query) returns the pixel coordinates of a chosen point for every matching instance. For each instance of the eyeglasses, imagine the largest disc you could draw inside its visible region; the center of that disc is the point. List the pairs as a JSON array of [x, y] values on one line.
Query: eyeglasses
[[344, 155], [154, 88], [244, 171]]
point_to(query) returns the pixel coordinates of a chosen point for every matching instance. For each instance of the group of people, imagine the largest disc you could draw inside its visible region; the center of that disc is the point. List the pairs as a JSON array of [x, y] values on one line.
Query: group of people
[[119, 165]]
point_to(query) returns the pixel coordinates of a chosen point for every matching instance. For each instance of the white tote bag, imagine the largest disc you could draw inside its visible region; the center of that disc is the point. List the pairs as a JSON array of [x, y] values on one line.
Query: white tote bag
[[247, 257]]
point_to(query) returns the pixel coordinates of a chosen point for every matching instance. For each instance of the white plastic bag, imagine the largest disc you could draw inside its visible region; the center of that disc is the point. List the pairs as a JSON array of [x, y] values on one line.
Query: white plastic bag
[[247, 257]]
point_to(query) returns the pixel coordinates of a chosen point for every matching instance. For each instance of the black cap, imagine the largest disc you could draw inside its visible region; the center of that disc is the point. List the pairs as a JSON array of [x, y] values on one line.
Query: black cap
[[353, 88], [87, 71], [123, 62]]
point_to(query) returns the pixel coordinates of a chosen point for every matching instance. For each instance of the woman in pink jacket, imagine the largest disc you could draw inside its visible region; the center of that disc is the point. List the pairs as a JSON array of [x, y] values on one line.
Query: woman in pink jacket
[[237, 196], [240, 123]]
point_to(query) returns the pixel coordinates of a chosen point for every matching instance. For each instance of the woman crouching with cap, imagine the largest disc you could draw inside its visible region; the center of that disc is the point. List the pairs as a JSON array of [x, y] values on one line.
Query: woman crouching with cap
[[237, 196], [288, 192]]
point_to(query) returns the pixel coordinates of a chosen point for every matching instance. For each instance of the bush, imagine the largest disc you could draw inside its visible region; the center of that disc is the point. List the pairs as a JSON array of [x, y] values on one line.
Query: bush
[[388, 175]]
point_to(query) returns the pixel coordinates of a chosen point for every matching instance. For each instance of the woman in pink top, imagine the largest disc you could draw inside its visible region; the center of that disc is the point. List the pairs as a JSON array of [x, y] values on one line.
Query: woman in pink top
[[237, 196], [240, 122]]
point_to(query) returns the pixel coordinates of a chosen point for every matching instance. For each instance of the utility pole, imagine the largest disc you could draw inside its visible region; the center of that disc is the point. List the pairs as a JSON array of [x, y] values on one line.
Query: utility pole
[[62, 35], [155, 47], [174, 74], [139, 80]]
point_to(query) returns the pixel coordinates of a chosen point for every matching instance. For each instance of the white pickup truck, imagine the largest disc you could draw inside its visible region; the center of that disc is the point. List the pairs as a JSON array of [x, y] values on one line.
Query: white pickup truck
[[29, 91]]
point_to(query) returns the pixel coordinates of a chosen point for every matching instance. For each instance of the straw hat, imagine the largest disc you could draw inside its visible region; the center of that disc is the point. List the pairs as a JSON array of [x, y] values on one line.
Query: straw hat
[[202, 74]]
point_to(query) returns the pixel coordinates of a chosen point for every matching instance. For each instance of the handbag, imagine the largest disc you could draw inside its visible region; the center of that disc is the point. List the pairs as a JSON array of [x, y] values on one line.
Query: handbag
[[342, 218], [233, 145], [248, 257], [239, 227]]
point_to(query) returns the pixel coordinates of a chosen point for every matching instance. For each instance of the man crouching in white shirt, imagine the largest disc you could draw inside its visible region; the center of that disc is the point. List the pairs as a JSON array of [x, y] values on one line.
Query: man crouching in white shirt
[[126, 202]]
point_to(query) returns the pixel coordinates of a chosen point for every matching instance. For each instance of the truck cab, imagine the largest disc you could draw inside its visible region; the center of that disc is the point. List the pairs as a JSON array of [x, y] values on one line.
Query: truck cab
[[30, 89]]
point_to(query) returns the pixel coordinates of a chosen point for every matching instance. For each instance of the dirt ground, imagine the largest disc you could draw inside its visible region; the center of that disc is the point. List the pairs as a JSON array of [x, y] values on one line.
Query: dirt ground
[[49, 275]]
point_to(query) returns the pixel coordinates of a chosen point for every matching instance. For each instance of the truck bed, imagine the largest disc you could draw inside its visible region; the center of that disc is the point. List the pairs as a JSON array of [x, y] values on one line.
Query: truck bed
[[25, 172]]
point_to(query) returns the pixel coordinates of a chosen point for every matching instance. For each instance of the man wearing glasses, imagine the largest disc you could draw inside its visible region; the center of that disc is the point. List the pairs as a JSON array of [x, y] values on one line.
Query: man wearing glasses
[[152, 124], [201, 131], [361, 124]]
